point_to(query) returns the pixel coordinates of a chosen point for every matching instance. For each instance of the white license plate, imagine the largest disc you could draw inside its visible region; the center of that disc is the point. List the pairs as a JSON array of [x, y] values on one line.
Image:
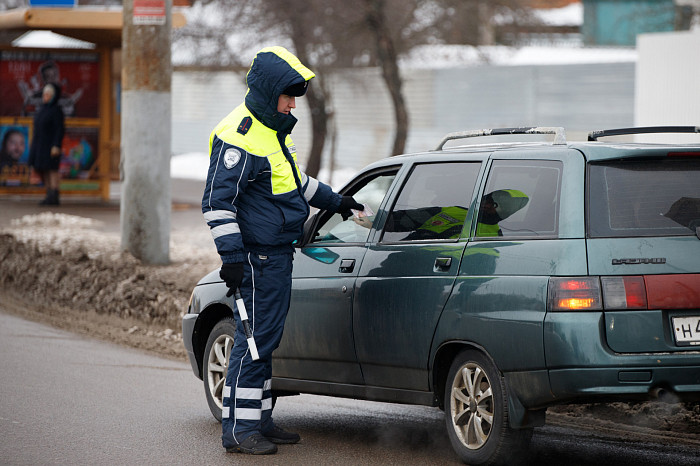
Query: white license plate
[[687, 330]]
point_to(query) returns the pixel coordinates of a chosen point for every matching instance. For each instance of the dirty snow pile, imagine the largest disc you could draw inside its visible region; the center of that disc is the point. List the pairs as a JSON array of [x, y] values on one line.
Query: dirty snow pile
[[54, 260]]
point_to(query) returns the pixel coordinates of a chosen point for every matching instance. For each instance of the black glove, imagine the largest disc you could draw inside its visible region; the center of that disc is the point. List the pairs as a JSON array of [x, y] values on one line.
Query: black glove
[[232, 274], [347, 203]]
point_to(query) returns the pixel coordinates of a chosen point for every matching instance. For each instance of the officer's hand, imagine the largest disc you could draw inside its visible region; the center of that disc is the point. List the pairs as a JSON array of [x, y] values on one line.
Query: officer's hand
[[347, 203], [232, 274]]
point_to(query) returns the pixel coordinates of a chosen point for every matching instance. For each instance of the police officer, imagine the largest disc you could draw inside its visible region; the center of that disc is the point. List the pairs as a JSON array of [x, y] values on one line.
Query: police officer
[[255, 202], [496, 206]]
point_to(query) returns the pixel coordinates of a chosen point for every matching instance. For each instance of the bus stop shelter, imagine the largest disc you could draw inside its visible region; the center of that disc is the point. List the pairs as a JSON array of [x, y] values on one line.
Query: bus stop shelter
[[90, 78]]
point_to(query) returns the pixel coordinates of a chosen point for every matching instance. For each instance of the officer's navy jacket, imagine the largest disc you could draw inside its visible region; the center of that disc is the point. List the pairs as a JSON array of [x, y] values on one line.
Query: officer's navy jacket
[[256, 197]]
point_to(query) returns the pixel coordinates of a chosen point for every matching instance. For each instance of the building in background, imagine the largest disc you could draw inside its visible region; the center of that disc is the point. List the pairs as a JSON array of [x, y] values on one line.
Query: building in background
[[587, 93], [667, 83], [618, 22]]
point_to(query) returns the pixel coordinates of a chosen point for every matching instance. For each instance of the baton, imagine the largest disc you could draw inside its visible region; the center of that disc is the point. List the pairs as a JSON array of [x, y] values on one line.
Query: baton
[[246, 326]]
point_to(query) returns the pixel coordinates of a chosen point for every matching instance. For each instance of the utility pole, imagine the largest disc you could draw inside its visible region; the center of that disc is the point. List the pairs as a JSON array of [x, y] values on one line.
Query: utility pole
[[145, 130]]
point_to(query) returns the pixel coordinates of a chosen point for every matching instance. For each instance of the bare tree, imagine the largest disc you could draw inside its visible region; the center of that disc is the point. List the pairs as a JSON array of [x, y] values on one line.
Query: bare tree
[[336, 34], [388, 61]]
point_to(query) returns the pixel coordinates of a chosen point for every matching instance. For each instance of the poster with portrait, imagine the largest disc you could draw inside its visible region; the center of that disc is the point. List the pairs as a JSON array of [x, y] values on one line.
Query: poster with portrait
[[14, 154], [78, 166], [24, 73]]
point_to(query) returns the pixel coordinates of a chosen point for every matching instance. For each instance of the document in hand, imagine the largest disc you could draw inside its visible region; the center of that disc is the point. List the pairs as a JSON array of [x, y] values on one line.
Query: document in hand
[[366, 212]]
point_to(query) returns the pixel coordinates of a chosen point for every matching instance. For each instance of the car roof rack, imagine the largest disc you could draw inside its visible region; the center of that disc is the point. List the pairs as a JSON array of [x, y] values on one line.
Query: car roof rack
[[594, 135], [559, 134]]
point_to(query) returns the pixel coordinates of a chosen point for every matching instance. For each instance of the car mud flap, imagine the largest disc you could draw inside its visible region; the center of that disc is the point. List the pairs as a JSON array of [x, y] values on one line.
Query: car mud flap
[[521, 383]]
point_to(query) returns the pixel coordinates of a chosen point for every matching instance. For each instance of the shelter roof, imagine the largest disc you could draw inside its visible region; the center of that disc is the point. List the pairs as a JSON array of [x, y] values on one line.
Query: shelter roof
[[101, 26]]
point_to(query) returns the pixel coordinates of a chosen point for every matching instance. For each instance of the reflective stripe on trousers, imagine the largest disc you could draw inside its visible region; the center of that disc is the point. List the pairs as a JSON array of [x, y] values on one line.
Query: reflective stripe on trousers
[[247, 396]]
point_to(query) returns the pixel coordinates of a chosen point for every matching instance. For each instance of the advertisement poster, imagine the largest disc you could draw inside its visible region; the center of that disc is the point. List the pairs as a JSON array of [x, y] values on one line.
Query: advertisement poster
[[14, 153], [77, 166], [23, 74], [79, 154]]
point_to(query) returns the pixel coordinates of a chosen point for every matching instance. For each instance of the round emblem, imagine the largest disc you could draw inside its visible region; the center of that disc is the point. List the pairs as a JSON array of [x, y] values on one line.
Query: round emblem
[[231, 158]]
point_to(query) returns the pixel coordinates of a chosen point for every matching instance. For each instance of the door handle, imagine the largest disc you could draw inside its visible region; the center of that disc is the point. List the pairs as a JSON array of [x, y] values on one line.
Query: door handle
[[346, 265], [443, 263]]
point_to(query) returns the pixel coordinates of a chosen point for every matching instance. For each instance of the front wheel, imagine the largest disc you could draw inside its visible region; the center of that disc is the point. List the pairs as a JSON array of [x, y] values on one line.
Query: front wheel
[[476, 413], [216, 357]]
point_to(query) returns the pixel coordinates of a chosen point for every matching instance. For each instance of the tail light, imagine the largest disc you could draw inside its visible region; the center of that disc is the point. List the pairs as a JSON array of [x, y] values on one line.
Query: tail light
[[627, 292], [574, 294], [675, 291]]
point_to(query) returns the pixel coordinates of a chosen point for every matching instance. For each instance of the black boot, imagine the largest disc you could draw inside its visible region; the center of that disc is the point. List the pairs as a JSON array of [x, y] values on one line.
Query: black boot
[[51, 197], [53, 200], [47, 199]]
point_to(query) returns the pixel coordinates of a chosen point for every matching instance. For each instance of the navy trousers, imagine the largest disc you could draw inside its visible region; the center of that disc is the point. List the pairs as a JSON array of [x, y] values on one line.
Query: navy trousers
[[266, 291]]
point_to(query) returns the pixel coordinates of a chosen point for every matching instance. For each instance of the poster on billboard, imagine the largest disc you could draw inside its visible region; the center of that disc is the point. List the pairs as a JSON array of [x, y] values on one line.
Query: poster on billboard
[[14, 153], [78, 156], [77, 167], [24, 73]]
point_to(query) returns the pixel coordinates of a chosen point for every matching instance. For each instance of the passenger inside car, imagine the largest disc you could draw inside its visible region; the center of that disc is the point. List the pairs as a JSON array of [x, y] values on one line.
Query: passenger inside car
[[498, 206]]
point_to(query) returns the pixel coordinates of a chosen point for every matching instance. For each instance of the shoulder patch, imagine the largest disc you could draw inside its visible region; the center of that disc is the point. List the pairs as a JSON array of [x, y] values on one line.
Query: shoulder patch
[[245, 125], [231, 158]]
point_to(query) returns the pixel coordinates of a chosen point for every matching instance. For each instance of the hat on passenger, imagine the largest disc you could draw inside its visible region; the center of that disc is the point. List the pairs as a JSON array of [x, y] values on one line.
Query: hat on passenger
[[297, 90], [508, 201]]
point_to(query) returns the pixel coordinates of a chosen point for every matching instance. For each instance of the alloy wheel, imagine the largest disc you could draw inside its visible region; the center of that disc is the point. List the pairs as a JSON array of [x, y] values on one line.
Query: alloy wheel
[[217, 365], [472, 406]]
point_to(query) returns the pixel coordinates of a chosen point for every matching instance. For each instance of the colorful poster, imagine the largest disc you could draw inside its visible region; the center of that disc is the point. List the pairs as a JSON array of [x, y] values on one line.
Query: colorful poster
[[77, 165], [23, 75], [79, 154], [14, 153]]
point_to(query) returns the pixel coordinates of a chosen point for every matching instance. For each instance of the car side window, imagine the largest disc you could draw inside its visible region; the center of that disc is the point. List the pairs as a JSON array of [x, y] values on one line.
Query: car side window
[[521, 199], [369, 191], [433, 203]]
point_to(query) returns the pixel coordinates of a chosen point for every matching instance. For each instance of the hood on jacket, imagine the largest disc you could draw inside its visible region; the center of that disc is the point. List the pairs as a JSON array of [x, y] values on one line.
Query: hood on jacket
[[273, 70], [56, 94]]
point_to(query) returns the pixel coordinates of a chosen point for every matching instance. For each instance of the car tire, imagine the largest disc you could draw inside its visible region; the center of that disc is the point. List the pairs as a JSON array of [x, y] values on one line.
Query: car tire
[[476, 414], [216, 357]]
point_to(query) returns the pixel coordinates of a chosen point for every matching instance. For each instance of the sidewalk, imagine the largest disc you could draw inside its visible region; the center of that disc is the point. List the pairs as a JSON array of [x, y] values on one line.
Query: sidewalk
[[186, 212]]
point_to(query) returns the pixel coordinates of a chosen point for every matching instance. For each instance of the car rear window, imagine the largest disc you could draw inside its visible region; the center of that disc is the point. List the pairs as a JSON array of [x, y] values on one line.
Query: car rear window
[[521, 200], [651, 197]]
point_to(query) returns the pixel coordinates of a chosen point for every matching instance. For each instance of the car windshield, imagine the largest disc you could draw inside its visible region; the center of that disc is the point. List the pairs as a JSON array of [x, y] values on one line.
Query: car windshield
[[655, 197]]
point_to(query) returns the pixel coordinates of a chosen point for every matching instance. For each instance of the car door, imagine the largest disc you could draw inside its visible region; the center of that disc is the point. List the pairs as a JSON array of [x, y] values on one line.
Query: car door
[[406, 276], [318, 337]]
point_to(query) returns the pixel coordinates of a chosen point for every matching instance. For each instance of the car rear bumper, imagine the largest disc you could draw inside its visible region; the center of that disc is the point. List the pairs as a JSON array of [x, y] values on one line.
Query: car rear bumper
[[624, 382], [582, 365]]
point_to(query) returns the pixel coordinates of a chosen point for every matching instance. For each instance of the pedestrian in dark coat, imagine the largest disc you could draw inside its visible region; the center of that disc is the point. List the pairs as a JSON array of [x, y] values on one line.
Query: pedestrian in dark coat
[[47, 139]]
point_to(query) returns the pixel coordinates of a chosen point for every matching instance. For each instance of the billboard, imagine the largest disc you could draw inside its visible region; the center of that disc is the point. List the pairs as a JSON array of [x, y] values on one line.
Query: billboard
[[78, 156], [14, 153], [23, 75]]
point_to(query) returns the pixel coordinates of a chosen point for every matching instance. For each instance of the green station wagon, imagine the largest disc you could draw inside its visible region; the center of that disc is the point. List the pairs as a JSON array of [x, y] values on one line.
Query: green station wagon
[[492, 281]]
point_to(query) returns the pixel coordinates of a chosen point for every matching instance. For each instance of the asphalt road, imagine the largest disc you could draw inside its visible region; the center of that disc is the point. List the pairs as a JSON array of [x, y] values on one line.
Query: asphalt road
[[68, 399]]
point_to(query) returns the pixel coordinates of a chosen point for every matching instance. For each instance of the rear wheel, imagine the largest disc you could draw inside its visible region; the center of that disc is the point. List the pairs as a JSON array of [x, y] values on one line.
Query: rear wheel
[[216, 357], [476, 413]]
